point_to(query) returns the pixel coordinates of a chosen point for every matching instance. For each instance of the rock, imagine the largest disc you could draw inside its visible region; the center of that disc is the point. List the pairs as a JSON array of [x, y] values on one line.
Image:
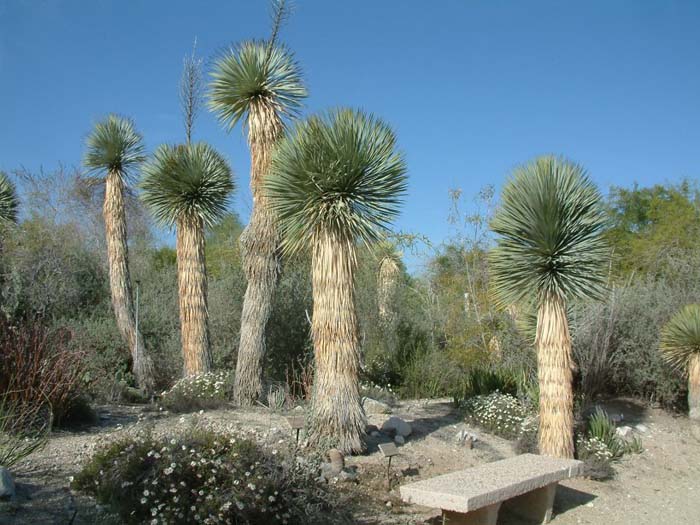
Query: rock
[[641, 428], [348, 476], [397, 426], [624, 431], [372, 406], [617, 418], [7, 485], [399, 439], [388, 504], [337, 460], [466, 439]]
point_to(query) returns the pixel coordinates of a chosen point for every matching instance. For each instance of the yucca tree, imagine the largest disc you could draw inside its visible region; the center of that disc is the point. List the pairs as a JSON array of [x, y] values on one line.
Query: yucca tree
[[114, 151], [387, 283], [8, 200], [336, 180], [550, 251], [680, 347], [260, 84], [188, 187]]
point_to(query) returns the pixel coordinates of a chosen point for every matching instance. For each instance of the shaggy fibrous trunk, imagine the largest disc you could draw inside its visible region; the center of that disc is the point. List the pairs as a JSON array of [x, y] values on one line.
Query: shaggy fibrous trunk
[[259, 246], [337, 417], [192, 287], [694, 387], [120, 281], [388, 281], [554, 369]]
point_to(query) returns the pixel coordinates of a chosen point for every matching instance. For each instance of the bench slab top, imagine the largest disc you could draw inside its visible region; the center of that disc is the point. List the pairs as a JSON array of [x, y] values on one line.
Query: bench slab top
[[490, 483]]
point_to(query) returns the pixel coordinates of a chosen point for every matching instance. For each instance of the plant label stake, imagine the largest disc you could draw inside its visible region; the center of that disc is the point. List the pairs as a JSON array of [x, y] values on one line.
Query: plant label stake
[[296, 423], [389, 450]]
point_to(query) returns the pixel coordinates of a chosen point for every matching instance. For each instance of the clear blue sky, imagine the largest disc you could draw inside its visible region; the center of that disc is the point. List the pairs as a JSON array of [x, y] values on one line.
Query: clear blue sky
[[473, 88]]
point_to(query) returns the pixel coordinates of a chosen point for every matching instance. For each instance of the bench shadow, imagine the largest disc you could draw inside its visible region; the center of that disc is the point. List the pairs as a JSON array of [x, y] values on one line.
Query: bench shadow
[[566, 499]]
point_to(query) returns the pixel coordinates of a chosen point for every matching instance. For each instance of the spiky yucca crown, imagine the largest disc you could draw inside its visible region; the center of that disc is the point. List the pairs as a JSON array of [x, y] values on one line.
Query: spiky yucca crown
[[186, 181], [114, 146], [338, 173], [8, 200], [549, 226], [255, 72], [680, 337]]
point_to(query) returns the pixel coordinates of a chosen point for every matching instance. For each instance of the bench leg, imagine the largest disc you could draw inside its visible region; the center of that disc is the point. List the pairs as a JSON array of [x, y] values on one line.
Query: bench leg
[[483, 516], [535, 506]]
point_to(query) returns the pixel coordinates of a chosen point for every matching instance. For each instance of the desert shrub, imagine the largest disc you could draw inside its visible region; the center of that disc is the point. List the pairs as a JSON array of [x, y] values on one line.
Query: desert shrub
[[202, 476], [24, 428], [208, 390], [603, 430], [597, 458], [431, 375], [38, 367], [385, 394], [501, 414]]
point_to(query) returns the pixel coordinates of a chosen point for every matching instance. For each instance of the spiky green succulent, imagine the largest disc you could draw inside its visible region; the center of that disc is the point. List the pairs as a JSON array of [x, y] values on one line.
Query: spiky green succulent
[[8, 200], [549, 230], [186, 181], [680, 337], [114, 146], [255, 72], [337, 172]]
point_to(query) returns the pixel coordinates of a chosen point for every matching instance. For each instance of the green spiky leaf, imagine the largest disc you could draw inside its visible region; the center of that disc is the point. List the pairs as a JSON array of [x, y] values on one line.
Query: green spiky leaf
[[549, 226], [251, 73], [8, 200], [680, 337], [114, 146], [337, 172], [186, 181]]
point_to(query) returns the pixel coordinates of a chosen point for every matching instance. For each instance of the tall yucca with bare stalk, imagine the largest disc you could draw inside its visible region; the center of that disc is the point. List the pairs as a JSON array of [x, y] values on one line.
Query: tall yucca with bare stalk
[[550, 250], [260, 84], [680, 347], [188, 187], [336, 180], [387, 283], [8, 200], [114, 150]]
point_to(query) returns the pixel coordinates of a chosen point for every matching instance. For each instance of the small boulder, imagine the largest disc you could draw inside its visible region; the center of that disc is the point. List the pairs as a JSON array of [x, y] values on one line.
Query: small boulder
[[397, 426], [372, 406], [399, 439], [7, 485], [641, 428], [624, 431]]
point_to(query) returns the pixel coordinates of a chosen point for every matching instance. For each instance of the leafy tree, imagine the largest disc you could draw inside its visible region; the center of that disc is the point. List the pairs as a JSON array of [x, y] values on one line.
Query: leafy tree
[[550, 250], [336, 180], [259, 83], [188, 187], [114, 150], [680, 347]]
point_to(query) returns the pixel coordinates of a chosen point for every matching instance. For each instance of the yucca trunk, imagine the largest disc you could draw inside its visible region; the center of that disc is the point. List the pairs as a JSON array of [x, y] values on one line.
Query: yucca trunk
[[192, 287], [259, 246], [694, 387], [336, 408], [120, 281], [388, 282], [554, 370]]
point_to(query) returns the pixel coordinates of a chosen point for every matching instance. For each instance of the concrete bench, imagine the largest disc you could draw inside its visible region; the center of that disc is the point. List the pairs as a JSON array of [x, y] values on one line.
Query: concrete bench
[[524, 484]]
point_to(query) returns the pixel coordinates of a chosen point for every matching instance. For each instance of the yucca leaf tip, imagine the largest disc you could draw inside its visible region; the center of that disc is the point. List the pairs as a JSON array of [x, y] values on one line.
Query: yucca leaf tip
[[549, 229], [186, 181], [8, 200], [680, 337], [339, 171]]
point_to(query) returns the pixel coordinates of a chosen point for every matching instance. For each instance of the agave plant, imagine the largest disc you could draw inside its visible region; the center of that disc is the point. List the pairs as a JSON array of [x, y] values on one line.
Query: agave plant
[[188, 187], [680, 347], [335, 181], [8, 200], [114, 151], [550, 250], [258, 83]]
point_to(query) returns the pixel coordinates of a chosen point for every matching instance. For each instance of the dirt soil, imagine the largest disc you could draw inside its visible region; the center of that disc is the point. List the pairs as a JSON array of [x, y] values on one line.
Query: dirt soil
[[659, 486]]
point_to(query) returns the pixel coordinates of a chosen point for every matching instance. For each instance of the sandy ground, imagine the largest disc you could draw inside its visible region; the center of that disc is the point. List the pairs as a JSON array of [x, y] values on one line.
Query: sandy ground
[[659, 486]]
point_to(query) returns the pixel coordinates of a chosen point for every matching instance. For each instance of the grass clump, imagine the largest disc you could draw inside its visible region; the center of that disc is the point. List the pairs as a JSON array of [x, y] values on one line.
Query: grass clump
[[203, 476], [204, 391]]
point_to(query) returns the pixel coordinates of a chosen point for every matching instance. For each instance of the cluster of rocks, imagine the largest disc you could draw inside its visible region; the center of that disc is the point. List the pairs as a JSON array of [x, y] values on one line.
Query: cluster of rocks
[[394, 428]]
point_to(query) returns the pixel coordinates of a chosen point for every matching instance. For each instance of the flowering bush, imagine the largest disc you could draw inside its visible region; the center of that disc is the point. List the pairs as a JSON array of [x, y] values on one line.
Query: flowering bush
[[596, 456], [502, 414], [203, 476], [209, 390]]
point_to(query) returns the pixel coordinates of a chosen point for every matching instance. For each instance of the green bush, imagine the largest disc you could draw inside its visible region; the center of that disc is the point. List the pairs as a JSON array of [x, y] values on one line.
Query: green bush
[[502, 414], [202, 476], [209, 390]]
